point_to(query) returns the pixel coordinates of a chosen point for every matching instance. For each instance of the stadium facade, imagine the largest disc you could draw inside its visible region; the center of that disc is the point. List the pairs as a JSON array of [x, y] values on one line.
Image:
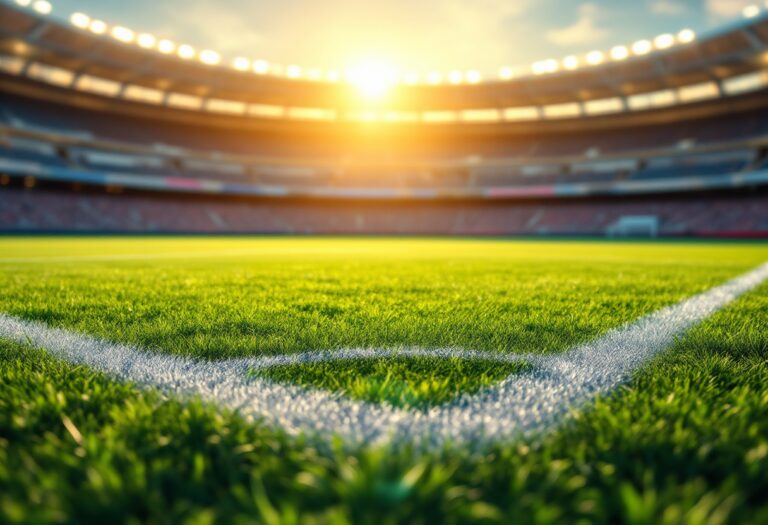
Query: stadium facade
[[99, 132]]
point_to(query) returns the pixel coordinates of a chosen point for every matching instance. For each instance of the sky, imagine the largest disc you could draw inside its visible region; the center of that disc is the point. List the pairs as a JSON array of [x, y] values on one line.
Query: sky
[[412, 35]]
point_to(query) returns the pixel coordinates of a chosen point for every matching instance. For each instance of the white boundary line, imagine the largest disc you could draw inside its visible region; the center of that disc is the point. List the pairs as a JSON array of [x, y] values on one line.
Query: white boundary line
[[524, 403]]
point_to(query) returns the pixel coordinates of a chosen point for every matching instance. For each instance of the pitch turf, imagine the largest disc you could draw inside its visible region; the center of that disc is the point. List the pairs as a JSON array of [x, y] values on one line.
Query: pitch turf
[[685, 441], [418, 382]]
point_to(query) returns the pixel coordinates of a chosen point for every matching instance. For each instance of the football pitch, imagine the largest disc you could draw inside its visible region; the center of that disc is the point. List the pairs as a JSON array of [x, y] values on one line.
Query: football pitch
[[340, 380]]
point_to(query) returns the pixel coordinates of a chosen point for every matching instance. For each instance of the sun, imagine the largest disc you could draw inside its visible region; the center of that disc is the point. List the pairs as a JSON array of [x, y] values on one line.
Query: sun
[[373, 78]]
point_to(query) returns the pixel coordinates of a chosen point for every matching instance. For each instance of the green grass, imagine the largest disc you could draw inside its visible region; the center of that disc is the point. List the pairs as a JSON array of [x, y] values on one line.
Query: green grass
[[216, 298], [288, 295], [418, 382], [686, 441]]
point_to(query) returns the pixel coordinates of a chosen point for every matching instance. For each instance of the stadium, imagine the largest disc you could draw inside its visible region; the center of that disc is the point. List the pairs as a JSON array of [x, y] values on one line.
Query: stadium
[[240, 291]]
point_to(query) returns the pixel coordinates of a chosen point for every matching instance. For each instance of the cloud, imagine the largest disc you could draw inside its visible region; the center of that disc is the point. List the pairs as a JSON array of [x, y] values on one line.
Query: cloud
[[727, 8], [583, 31], [667, 7]]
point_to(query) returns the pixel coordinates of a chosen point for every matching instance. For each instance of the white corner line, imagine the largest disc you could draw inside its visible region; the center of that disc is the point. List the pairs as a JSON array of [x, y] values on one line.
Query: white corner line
[[522, 404]]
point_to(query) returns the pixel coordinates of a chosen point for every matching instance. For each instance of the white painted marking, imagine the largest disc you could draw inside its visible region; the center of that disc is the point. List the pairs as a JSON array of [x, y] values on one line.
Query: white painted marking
[[525, 403]]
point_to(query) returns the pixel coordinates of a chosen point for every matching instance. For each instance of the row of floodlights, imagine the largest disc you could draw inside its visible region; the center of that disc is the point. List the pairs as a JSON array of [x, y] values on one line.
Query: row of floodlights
[[616, 54], [183, 51], [213, 58], [41, 6]]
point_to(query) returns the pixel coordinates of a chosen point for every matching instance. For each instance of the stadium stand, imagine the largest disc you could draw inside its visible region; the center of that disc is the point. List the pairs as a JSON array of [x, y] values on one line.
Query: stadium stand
[[78, 210], [679, 133]]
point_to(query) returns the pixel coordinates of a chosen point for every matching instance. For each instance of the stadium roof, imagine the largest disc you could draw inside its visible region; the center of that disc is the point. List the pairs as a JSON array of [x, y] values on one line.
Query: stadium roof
[[113, 62]]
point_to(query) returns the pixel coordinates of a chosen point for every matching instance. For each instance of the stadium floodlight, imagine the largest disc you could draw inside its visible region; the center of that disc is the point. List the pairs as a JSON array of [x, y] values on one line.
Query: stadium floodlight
[[146, 40], [98, 27], [642, 47], [24, 3], [455, 77], [372, 78], [209, 57], [261, 67], [186, 52], [241, 64], [620, 53], [435, 78], [123, 34], [545, 66], [332, 76], [751, 11], [571, 62], [43, 7], [595, 58], [664, 41], [293, 71], [506, 73], [80, 20], [686, 36], [474, 77], [166, 46]]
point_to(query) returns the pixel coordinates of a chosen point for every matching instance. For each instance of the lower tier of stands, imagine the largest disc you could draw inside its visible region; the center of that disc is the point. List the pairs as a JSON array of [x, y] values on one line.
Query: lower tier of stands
[[62, 209]]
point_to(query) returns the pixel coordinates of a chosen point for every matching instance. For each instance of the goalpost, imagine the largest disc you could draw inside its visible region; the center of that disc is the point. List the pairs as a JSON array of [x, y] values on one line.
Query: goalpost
[[634, 226]]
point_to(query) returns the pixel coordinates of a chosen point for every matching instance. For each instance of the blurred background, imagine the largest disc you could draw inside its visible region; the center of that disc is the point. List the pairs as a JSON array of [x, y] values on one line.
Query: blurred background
[[647, 119]]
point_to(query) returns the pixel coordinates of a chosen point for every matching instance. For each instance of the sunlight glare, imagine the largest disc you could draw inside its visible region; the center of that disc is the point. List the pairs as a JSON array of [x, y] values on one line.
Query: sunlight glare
[[373, 78]]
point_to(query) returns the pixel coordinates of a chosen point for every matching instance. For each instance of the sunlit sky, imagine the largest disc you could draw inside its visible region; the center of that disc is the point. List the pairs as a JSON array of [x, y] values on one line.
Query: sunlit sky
[[413, 35]]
